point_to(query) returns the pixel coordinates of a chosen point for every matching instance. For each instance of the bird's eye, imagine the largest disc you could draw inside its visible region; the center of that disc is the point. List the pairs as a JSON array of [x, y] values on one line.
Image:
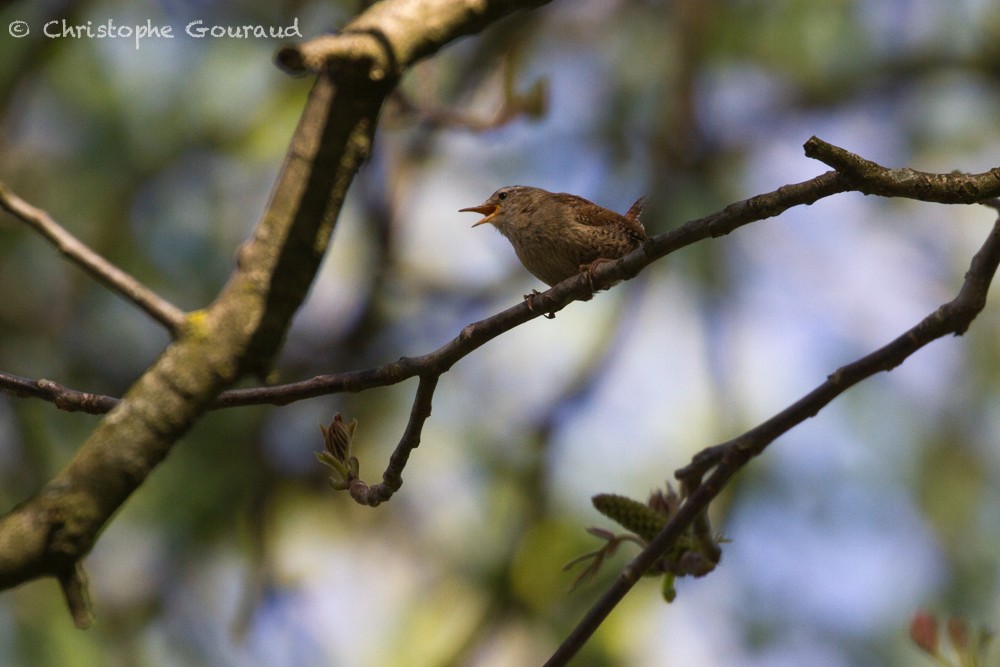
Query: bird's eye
[[502, 196]]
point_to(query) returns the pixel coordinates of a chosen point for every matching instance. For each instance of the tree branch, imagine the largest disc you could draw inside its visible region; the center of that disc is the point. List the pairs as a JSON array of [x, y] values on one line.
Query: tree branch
[[729, 457], [391, 36], [873, 179], [77, 251], [64, 398]]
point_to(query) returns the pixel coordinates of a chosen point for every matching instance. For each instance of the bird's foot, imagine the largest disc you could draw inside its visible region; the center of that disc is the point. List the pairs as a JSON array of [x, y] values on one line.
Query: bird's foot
[[589, 270], [530, 300]]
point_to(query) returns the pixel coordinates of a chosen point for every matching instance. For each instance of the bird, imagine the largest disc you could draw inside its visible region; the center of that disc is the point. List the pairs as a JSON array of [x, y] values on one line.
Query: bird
[[558, 235]]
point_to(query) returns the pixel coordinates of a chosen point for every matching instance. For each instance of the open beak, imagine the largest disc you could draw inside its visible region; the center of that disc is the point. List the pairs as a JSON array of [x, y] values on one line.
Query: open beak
[[489, 210]]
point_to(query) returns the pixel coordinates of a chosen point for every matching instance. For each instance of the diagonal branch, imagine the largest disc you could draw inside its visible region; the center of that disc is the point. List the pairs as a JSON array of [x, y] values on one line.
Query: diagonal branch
[[90, 261], [476, 334], [729, 457]]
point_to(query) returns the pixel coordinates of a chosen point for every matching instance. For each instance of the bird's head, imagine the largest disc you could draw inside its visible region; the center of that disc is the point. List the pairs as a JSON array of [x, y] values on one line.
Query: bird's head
[[503, 201]]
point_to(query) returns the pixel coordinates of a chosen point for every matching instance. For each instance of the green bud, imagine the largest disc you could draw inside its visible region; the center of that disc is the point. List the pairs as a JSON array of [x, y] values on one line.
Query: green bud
[[337, 440], [630, 514]]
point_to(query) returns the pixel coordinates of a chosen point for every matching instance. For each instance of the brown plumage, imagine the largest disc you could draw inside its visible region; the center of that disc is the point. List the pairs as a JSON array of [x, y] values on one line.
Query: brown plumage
[[556, 235]]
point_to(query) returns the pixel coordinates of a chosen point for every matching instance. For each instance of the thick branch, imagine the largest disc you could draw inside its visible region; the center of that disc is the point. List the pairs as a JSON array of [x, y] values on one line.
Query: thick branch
[[51, 532], [243, 329], [393, 35]]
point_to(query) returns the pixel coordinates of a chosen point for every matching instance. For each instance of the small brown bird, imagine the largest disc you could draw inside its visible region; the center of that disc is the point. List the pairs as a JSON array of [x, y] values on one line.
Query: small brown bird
[[557, 235]]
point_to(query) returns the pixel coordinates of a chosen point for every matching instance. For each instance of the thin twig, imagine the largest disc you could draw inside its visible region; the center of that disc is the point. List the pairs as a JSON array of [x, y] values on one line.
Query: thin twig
[[729, 457], [76, 250], [62, 397], [392, 478]]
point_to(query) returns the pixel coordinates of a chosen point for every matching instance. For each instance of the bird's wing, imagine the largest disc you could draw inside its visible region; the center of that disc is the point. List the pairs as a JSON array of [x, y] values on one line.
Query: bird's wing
[[591, 214]]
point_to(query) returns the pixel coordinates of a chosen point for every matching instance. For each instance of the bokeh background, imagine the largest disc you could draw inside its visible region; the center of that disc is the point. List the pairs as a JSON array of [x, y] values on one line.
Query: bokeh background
[[237, 552]]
